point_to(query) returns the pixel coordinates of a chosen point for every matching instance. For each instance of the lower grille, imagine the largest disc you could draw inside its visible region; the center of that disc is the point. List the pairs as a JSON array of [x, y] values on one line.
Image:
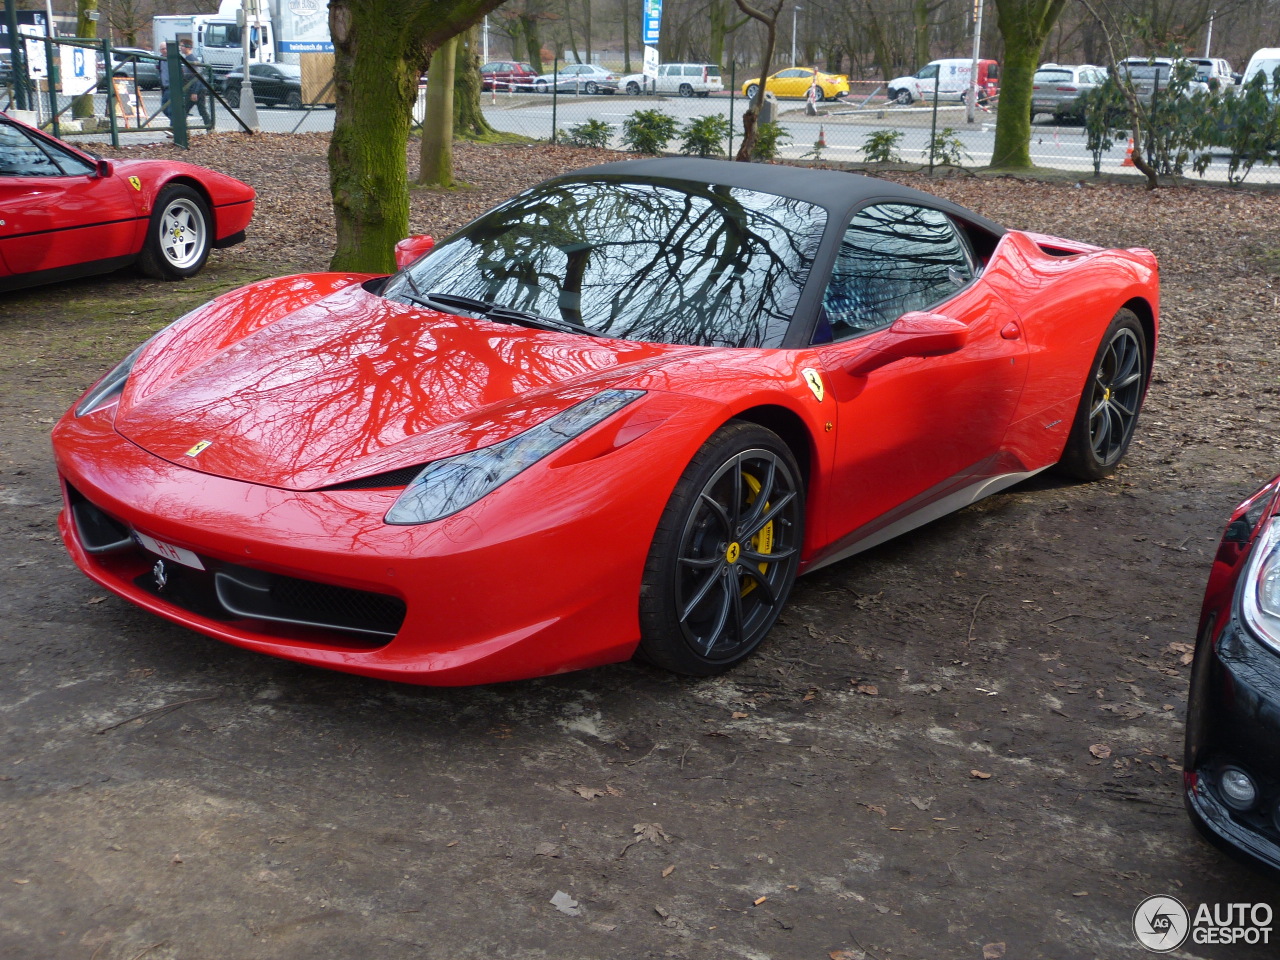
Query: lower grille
[[227, 591]]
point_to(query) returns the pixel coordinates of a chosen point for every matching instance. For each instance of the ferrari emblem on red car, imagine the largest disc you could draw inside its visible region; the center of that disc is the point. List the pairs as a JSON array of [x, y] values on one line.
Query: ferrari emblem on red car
[[814, 380], [135, 183], [199, 448]]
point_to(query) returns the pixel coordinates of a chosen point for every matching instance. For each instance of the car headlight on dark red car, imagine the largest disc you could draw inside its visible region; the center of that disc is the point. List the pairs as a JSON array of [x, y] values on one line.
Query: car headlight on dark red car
[[450, 485], [1260, 593]]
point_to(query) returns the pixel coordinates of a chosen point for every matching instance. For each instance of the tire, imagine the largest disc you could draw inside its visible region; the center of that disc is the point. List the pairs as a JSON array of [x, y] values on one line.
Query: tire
[[540, 86], [902, 96], [293, 101], [686, 91], [705, 93], [1109, 406], [633, 88], [232, 92], [751, 91], [717, 577], [178, 237], [592, 88]]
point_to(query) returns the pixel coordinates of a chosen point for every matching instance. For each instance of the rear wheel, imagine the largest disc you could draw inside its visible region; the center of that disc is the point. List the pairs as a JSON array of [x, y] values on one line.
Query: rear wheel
[[725, 553], [633, 88], [592, 88], [294, 100], [1109, 406], [232, 92]]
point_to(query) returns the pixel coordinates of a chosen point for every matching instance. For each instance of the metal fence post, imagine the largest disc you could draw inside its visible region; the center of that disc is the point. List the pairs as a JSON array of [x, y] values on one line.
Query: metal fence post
[[109, 66], [555, 89], [933, 129], [51, 78], [178, 95], [733, 87]]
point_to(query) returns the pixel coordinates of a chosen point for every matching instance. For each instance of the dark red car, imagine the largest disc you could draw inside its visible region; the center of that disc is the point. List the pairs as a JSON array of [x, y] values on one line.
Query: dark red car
[[64, 213], [506, 75]]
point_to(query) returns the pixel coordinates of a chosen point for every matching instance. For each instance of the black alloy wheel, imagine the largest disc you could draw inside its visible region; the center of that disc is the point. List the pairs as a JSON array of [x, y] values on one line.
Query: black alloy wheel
[[1112, 398], [725, 553]]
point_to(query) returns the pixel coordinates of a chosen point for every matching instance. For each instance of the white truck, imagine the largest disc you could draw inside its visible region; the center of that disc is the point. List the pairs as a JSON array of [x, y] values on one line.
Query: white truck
[[279, 30]]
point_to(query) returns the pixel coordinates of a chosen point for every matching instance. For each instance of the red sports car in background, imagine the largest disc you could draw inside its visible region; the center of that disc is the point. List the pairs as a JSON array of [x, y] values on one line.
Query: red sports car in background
[[64, 213], [619, 413]]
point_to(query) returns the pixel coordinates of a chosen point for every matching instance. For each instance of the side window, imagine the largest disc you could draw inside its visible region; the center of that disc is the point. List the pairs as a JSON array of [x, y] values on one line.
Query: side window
[[21, 156], [929, 72], [893, 258]]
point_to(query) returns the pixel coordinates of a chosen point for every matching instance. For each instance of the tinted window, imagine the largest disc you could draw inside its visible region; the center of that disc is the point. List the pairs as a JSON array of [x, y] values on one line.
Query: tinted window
[[713, 71], [893, 258], [651, 261]]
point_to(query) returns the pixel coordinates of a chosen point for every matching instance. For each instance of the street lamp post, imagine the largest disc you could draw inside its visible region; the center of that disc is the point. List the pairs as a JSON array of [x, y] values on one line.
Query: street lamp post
[[794, 12]]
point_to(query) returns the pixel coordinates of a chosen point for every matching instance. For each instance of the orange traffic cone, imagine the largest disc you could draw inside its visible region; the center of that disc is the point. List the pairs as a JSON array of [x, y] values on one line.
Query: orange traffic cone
[[822, 138], [1128, 155]]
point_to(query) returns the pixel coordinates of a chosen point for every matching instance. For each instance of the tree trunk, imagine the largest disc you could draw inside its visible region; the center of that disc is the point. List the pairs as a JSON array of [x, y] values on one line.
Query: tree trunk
[[436, 157], [626, 37], [82, 106], [920, 22], [586, 28], [469, 122], [770, 20], [1024, 25]]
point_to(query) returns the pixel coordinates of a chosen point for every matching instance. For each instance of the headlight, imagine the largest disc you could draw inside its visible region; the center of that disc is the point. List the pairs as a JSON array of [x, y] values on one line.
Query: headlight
[[110, 386], [448, 486], [1260, 596]]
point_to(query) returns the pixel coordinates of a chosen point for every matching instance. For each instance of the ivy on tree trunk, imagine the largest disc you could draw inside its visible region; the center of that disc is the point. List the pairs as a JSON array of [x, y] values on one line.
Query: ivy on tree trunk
[[1024, 25]]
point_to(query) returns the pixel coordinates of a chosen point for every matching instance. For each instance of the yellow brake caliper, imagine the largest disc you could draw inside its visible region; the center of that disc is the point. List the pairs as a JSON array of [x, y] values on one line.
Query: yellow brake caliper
[[762, 542]]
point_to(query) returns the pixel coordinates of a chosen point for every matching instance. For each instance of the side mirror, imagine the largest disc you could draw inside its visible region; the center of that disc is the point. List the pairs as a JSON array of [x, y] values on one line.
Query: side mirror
[[411, 248], [104, 169], [913, 334]]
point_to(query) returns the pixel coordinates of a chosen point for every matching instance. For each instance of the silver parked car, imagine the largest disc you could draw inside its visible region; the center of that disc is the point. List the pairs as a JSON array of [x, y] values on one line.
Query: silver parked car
[[1060, 89], [578, 78], [1152, 75]]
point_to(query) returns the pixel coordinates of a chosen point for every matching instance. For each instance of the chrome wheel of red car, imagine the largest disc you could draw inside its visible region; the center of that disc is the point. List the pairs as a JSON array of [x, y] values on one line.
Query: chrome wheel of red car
[[725, 554], [1111, 401], [178, 237]]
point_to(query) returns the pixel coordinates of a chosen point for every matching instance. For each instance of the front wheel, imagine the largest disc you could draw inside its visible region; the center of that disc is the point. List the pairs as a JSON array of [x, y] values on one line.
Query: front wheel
[[178, 237], [751, 91], [1110, 403], [686, 91], [633, 88], [725, 553], [901, 96], [232, 92]]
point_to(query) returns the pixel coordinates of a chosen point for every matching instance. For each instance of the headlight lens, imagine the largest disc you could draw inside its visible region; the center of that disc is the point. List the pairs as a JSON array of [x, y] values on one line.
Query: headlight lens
[[1260, 598], [110, 386], [447, 486]]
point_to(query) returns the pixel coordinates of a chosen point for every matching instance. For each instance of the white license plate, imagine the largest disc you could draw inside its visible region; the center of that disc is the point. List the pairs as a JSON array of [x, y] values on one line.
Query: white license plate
[[169, 551]]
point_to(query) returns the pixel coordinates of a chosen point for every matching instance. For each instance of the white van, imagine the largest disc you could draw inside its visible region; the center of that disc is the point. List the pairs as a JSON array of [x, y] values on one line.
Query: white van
[[1265, 61], [949, 77]]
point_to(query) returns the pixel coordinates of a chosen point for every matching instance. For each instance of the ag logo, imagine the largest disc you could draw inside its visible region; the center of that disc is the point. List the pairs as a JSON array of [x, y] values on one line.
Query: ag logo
[[1161, 923], [135, 183]]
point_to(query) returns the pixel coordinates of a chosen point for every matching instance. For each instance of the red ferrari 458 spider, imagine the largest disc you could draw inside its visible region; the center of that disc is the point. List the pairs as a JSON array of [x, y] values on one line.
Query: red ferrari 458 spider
[[65, 214], [618, 414]]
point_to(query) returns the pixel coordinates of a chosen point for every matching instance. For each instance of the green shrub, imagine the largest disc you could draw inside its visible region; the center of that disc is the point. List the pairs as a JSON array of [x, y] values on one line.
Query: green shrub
[[947, 149], [593, 133], [881, 146], [769, 139], [704, 136], [648, 131]]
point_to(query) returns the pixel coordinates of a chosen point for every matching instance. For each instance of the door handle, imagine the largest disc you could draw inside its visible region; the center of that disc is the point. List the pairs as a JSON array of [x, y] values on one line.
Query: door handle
[[1011, 331]]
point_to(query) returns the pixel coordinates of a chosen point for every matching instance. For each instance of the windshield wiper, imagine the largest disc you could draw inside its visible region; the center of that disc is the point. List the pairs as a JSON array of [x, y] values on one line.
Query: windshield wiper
[[489, 311]]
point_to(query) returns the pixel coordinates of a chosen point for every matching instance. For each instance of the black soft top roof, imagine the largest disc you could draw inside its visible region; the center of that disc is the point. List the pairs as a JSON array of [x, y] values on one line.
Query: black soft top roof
[[840, 193]]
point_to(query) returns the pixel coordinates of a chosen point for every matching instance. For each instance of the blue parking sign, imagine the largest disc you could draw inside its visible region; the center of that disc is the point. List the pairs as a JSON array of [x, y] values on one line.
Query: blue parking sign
[[652, 22]]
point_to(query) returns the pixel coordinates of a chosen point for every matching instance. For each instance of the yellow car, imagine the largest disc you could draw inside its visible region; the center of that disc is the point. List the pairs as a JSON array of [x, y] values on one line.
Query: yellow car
[[796, 81]]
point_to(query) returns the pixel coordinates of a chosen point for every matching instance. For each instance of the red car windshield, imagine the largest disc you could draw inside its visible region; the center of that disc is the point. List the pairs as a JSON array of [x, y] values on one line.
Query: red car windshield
[[655, 261]]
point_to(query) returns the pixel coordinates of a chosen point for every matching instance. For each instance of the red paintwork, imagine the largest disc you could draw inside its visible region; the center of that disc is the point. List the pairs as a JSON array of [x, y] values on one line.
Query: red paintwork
[[66, 223], [306, 381]]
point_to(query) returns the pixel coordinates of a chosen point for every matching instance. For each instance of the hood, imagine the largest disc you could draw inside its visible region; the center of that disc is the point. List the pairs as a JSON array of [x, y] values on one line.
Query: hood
[[352, 385]]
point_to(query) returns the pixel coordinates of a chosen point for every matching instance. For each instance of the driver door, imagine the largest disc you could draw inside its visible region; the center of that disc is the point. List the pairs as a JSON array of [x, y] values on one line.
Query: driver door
[[917, 430]]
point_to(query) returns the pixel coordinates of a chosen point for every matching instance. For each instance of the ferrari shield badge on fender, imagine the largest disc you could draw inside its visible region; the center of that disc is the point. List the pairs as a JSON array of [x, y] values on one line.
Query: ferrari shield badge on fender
[[199, 448], [814, 380], [135, 183]]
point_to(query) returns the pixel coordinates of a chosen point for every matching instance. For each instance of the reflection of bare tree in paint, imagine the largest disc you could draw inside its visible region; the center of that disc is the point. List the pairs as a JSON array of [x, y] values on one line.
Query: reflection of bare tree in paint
[[713, 266]]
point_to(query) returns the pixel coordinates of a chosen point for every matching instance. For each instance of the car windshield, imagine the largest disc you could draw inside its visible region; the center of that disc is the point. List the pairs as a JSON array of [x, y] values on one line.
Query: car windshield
[[650, 260], [1052, 76]]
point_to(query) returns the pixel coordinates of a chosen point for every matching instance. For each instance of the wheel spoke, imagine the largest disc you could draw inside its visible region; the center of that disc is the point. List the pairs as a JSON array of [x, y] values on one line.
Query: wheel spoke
[[751, 556], [722, 616], [762, 584], [763, 496], [719, 511], [701, 593], [733, 586], [761, 522]]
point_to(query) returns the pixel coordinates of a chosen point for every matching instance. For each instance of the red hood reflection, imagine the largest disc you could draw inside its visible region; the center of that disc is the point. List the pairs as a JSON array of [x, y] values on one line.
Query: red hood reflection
[[351, 384]]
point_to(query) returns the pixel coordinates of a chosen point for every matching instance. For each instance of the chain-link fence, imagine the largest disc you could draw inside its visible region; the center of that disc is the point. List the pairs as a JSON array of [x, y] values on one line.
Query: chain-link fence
[[863, 126]]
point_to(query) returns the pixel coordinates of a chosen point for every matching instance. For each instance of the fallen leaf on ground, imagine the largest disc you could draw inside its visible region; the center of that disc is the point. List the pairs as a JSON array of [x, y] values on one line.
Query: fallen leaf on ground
[[867, 689], [1100, 750], [979, 775], [993, 951], [739, 715], [588, 793], [546, 849], [875, 808], [669, 870], [566, 904]]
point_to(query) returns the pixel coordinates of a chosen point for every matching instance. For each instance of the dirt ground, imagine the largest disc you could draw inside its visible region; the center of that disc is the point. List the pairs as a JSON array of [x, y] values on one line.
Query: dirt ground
[[908, 768]]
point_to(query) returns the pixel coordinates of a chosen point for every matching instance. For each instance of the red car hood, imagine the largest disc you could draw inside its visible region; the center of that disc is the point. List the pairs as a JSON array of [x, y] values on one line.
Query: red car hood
[[350, 385]]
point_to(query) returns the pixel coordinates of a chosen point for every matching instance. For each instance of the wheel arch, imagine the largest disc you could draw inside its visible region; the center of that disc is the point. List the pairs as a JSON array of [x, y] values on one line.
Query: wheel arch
[[1147, 318], [182, 180], [790, 428]]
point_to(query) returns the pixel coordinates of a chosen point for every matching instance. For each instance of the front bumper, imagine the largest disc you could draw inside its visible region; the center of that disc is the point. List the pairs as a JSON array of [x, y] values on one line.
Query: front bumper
[[540, 577]]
